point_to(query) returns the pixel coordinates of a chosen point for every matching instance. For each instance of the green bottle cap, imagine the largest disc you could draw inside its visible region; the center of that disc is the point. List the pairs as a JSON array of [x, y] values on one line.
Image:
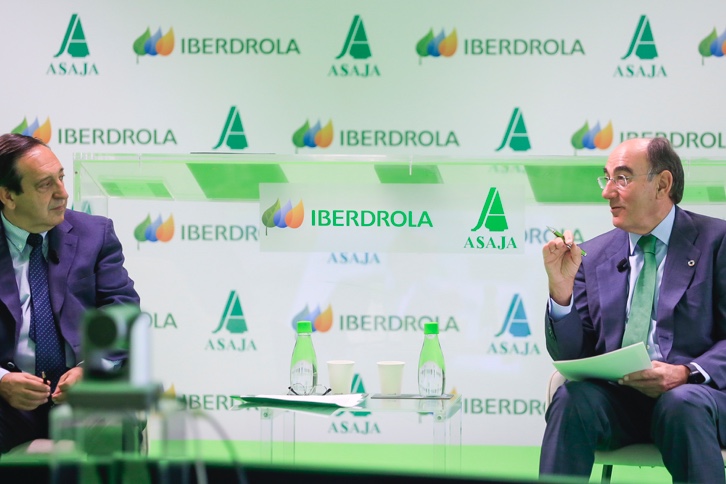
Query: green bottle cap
[[430, 328], [306, 327]]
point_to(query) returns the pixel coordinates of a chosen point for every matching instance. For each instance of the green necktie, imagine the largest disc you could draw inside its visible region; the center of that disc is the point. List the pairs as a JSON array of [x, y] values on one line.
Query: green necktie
[[641, 307]]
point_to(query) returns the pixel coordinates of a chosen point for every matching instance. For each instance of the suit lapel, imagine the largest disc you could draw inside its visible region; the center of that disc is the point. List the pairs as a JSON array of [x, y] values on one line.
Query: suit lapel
[[9, 294], [613, 301], [62, 246], [677, 274]]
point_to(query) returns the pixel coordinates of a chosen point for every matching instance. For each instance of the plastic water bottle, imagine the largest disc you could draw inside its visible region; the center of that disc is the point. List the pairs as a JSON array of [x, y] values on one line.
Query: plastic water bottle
[[304, 364], [431, 368]]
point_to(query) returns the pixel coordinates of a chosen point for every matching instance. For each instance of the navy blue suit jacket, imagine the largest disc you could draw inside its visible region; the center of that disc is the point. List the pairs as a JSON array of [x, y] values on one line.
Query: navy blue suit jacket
[[85, 270], [691, 323]]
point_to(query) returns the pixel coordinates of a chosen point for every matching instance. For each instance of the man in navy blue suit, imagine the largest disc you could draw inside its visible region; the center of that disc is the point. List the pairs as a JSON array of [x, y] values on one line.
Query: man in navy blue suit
[[85, 270], [680, 403]]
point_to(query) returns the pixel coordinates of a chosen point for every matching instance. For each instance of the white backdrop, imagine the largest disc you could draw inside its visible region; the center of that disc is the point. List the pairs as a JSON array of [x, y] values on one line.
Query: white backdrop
[[525, 76]]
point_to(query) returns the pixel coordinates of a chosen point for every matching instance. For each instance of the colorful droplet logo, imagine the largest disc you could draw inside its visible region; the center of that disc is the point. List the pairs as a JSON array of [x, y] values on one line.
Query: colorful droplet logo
[[155, 44], [322, 320], [713, 45], [437, 45], [36, 130], [285, 216], [313, 137], [591, 138], [156, 231]]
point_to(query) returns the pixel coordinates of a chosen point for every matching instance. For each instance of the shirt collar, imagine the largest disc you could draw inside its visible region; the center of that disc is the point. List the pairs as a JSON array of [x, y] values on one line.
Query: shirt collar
[[16, 236], [662, 231]]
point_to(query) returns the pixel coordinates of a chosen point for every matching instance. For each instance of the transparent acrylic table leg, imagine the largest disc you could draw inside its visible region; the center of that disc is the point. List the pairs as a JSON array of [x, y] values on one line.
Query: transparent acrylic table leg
[[277, 442]]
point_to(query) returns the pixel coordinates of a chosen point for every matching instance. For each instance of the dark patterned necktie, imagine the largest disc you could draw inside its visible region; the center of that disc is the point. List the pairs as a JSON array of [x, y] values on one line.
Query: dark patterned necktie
[[49, 353], [641, 307]]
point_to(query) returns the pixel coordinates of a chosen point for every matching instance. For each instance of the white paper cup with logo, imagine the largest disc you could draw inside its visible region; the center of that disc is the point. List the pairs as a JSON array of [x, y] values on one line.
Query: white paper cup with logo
[[340, 374], [391, 376]]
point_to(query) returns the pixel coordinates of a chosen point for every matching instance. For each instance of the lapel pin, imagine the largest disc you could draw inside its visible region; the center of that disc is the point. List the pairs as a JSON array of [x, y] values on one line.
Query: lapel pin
[[691, 263]]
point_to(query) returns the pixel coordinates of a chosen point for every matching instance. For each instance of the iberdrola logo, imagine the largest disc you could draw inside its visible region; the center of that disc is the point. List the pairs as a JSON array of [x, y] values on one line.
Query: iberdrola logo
[[153, 45], [74, 41], [492, 214], [516, 136], [356, 42], [313, 137], [322, 320], [36, 130], [515, 322], [642, 44], [283, 217], [713, 45], [156, 231], [233, 133], [436, 46], [593, 138]]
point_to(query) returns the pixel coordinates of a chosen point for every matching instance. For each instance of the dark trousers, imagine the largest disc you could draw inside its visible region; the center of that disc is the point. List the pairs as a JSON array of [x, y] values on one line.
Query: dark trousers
[[20, 426], [687, 424]]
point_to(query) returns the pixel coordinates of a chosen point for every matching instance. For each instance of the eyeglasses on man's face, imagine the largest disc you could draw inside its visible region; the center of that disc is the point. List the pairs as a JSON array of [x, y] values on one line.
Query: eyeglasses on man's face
[[620, 181]]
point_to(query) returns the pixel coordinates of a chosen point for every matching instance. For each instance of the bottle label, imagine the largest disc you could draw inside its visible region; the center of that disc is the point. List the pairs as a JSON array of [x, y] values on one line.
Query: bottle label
[[302, 374], [430, 379]]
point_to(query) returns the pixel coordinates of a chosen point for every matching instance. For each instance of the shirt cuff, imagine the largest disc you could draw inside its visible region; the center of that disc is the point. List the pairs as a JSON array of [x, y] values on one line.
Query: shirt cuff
[[557, 311]]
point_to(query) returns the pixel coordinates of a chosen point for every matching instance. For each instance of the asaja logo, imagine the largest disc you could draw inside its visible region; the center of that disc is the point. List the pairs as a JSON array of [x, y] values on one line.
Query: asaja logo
[[357, 47], [36, 130], [322, 321], [516, 136], [233, 133], [492, 215], [514, 328], [515, 322], [358, 258], [313, 137], [285, 216], [440, 45], [586, 138], [361, 423], [234, 322], [642, 46], [156, 231], [713, 45], [74, 44], [153, 45], [492, 218]]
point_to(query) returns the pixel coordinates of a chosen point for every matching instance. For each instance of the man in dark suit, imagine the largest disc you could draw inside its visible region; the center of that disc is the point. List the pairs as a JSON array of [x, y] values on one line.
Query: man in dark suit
[[85, 270], [680, 403]]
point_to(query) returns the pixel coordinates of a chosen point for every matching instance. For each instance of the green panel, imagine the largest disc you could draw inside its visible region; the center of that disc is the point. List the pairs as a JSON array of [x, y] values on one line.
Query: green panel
[[565, 184], [230, 181], [704, 194], [408, 174], [136, 189]]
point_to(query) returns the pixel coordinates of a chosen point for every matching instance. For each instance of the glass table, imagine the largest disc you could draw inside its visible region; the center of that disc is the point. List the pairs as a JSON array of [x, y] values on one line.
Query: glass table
[[278, 425]]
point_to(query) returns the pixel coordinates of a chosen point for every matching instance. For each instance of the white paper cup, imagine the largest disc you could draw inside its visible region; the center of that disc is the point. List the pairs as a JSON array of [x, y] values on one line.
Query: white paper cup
[[340, 374], [391, 376]]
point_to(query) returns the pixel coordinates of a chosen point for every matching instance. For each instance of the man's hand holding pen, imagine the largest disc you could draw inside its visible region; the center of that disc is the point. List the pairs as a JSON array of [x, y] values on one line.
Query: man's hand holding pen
[[562, 258], [24, 391]]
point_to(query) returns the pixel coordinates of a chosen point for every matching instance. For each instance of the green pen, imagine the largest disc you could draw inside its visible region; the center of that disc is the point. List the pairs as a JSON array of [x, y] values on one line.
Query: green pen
[[557, 234]]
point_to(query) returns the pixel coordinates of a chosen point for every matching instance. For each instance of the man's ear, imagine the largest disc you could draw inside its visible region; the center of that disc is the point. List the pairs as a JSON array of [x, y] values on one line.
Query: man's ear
[[665, 183], [7, 197]]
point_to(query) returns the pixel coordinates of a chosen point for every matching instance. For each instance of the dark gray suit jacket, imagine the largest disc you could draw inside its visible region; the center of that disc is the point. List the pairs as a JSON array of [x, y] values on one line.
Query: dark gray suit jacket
[[85, 270], [691, 322]]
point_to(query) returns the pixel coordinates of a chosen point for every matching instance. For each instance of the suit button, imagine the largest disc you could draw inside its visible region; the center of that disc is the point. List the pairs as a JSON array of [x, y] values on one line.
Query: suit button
[[11, 365]]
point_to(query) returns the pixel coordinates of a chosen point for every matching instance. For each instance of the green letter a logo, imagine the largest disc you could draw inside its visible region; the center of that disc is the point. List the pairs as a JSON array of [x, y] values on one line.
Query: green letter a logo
[[643, 43], [233, 318], [492, 215], [516, 135], [233, 134], [356, 44], [74, 42]]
